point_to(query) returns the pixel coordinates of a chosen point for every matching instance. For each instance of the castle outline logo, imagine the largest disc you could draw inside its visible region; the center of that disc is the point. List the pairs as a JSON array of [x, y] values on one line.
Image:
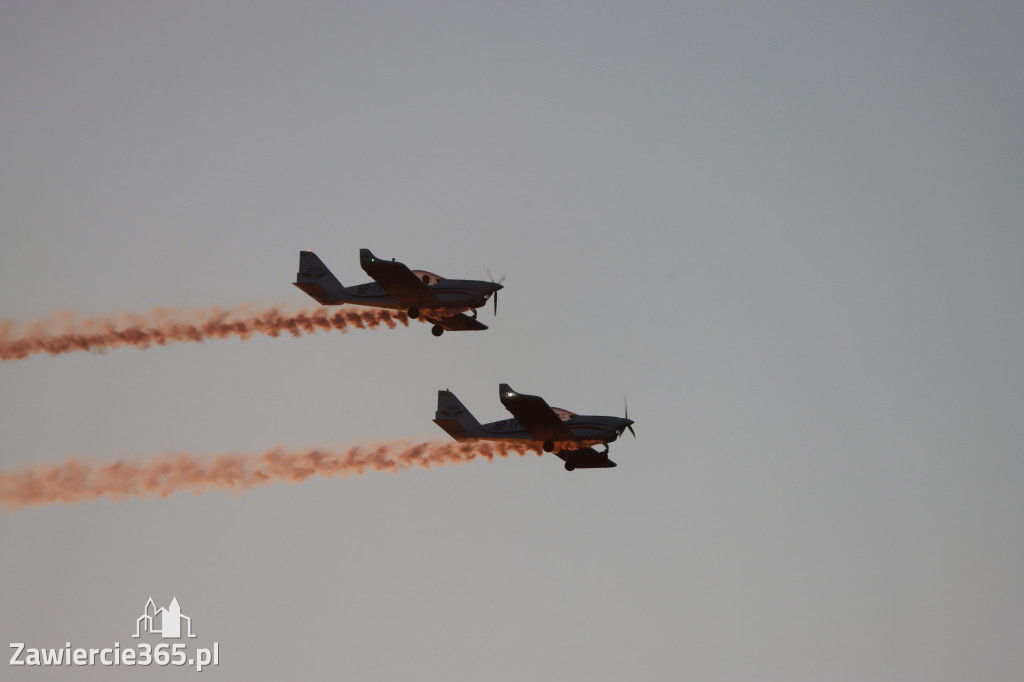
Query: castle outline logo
[[165, 622]]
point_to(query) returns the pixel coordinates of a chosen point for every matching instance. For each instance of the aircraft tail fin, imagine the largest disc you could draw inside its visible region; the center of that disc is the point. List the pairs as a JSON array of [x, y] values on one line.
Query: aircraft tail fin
[[453, 417], [317, 280]]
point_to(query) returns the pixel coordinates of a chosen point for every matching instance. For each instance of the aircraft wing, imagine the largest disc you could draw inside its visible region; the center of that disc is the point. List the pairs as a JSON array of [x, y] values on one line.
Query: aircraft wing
[[401, 284], [460, 322], [535, 415]]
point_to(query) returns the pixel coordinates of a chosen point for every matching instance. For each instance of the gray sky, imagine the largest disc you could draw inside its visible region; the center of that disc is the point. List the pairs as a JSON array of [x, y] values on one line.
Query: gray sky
[[790, 234]]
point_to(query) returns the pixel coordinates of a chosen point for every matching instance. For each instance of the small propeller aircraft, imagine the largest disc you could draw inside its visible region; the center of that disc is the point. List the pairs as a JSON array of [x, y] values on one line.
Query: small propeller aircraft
[[566, 434], [418, 292]]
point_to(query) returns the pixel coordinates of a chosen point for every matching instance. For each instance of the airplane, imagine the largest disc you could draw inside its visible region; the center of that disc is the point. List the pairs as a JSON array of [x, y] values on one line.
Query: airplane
[[418, 292], [565, 433]]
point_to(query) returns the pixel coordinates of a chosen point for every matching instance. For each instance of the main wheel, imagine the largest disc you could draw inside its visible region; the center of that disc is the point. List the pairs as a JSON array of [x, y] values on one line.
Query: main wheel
[[437, 330], [569, 467], [414, 312], [549, 446]]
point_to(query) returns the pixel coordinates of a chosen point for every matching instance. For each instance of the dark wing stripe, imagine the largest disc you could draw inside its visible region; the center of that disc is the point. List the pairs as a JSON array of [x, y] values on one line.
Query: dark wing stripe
[[403, 286], [537, 417]]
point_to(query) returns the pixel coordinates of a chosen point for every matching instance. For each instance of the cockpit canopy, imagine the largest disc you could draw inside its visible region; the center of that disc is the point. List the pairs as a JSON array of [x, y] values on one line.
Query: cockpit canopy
[[564, 415], [427, 278]]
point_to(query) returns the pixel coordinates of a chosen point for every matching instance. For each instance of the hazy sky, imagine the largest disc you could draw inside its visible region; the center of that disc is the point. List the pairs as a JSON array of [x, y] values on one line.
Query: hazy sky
[[791, 234]]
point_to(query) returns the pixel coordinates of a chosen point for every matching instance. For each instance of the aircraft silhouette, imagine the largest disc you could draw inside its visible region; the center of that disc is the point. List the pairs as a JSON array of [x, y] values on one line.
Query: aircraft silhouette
[[439, 300], [567, 434]]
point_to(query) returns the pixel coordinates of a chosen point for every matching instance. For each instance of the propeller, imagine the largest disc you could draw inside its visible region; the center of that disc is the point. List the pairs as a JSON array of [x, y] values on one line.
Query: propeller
[[625, 406], [494, 292]]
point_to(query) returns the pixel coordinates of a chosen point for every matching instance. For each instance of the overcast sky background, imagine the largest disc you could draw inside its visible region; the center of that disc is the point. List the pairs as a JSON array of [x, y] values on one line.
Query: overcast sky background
[[790, 234]]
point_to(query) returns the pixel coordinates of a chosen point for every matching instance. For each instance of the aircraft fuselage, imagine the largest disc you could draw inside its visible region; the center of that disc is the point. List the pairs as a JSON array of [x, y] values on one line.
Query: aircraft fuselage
[[584, 427], [455, 295]]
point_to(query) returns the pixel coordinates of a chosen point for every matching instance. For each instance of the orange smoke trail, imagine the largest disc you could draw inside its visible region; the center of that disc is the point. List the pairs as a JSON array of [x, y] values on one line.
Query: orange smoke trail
[[65, 332], [79, 480]]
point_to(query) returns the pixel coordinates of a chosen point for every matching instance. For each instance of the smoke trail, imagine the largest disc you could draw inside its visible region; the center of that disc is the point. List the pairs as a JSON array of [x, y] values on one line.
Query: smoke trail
[[78, 480], [66, 332]]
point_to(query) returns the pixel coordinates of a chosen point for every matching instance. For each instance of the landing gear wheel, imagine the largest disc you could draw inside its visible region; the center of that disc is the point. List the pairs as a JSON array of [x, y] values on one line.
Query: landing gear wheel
[[414, 312], [549, 446], [569, 467], [437, 330]]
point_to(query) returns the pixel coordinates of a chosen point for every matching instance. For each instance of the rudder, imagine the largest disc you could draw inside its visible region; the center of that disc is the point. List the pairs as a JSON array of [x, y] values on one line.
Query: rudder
[[454, 418], [317, 280]]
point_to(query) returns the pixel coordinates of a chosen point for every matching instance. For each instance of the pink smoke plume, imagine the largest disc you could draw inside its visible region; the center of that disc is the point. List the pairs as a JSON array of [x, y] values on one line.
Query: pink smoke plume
[[66, 332], [81, 480]]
